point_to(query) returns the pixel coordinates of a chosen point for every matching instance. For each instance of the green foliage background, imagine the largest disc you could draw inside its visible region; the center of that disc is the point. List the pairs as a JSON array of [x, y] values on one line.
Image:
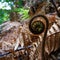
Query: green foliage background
[[4, 13]]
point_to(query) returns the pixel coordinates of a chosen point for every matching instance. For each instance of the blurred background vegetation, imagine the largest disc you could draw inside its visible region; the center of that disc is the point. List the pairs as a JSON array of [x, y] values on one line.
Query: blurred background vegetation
[[7, 7]]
